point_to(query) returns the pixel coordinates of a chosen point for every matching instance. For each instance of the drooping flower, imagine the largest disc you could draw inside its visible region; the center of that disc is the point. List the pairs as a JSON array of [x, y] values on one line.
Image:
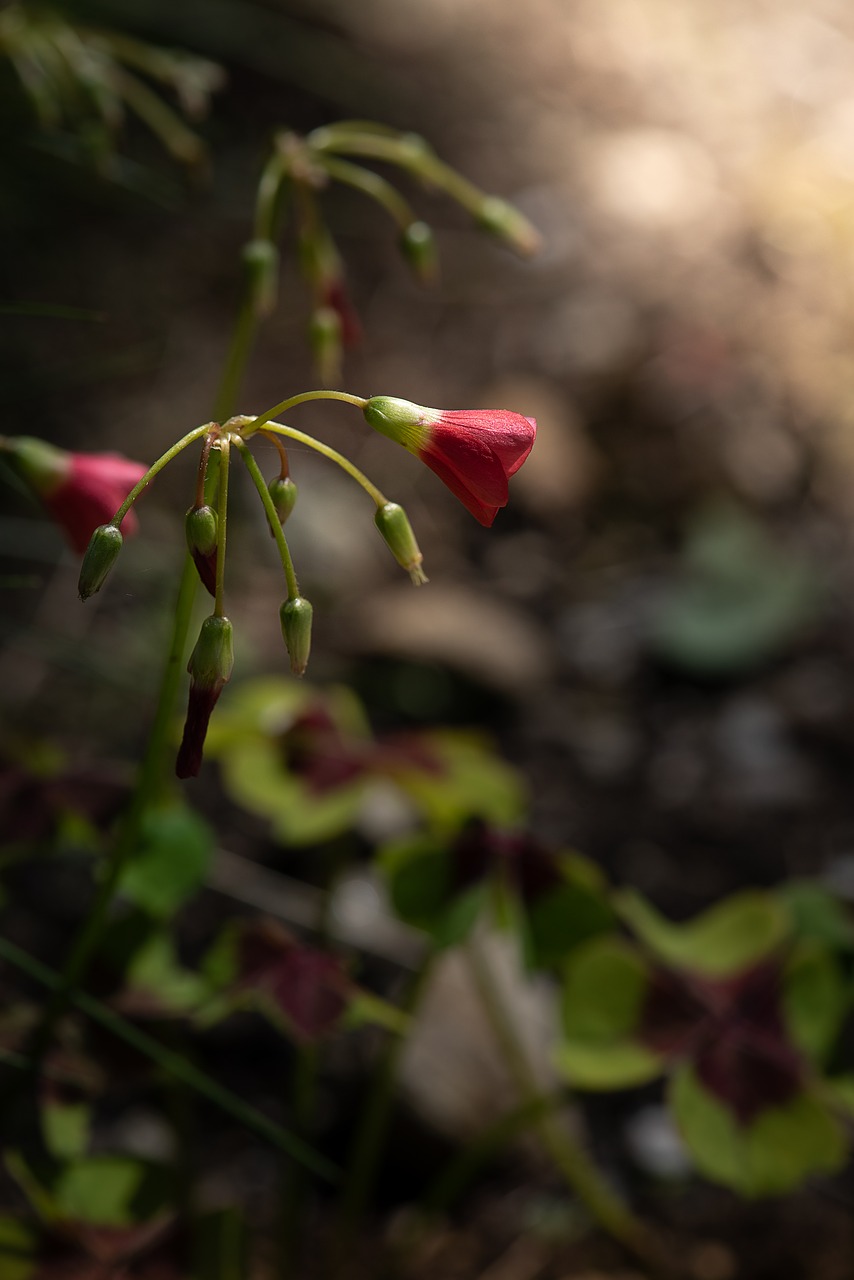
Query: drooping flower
[[80, 490], [474, 451]]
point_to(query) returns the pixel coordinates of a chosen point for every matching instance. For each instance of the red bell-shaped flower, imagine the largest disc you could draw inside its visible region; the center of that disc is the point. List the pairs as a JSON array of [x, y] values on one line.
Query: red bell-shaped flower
[[80, 490], [474, 451]]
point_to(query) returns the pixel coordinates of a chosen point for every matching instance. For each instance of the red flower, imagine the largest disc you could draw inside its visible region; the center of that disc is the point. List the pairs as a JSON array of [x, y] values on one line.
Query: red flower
[[474, 451], [80, 490]]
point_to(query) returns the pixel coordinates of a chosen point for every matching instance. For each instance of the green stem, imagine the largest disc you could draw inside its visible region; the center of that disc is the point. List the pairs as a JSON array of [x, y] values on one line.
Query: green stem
[[176, 1065], [272, 517], [400, 151], [235, 362], [371, 184], [304, 396], [333, 454], [157, 467], [266, 201], [572, 1162], [221, 525]]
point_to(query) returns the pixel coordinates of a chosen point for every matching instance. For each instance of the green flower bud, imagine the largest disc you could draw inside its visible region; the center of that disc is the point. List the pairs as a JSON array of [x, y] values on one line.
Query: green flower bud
[[283, 491], [213, 657], [325, 339], [393, 524], [99, 558], [200, 525], [501, 219], [261, 264], [295, 617], [419, 248]]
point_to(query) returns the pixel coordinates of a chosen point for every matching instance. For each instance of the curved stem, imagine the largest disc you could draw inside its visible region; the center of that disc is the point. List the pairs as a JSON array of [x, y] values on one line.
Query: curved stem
[[272, 516], [266, 201], [572, 1162], [263, 418], [370, 184], [398, 150], [285, 466], [155, 468], [346, 465], [221, 525]]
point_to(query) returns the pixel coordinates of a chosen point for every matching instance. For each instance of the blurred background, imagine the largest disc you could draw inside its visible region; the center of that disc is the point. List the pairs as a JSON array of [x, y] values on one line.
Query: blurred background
[[658, 625], [658, 630]]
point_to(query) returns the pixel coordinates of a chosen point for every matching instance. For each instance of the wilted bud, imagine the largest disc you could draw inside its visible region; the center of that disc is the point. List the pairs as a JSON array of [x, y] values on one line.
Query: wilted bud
[[501, 219], [419, 248], [210, 669], [99, 558], [325, 339], [261, 264], [283, 491], [295, 617], [393, 524], [200, 526]]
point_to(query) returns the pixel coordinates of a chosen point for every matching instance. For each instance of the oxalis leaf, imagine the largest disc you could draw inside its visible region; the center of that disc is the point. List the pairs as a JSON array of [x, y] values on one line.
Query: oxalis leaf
[[729, 937], [773, 1154]]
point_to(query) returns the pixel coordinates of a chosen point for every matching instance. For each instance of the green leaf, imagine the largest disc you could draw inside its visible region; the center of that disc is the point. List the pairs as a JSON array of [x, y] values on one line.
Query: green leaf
[[617, 1064], [817, 914], [815, 1000], [564, 917], [418, 873], [605, 983], [474, 783], [740, 599], [155, 969], [729, 937], [774, 1154], [107, 1191], [18, 1249], [171, 862], [841, 1091], [66, 1128]]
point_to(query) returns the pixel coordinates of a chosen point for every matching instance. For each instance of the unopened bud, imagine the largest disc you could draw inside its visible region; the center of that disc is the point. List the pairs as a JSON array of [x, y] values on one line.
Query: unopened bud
[[283, 491], [99, 558], [419, 248], [213, 657], [325, 338], [393, 524], [503, 220], [200, 526], [261, 264], [295, 617], [210, 669]]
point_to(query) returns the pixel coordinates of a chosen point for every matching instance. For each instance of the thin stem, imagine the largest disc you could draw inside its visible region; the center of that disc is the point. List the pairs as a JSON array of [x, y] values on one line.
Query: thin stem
[[400, 151], [333, 454], [235, 362], [272, 516], [571, 1161], [302, 398], [285, 466], [157, 467], [176, 1065], [266, 201], [221, 525], [203, 470], [370, 184]]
